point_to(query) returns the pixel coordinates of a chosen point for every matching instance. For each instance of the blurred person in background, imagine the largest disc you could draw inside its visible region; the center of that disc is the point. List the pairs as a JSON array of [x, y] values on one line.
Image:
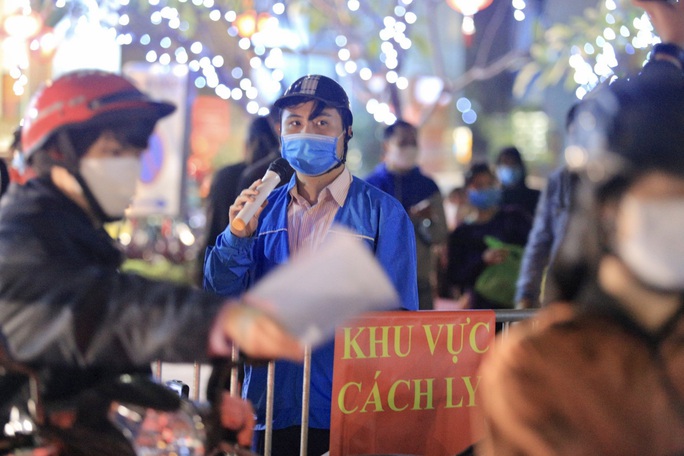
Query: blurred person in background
[[258, 168], [457, 210], [546, 235], [400, 176], [512, 174], [468, 254], [548, 230], [261, 141]]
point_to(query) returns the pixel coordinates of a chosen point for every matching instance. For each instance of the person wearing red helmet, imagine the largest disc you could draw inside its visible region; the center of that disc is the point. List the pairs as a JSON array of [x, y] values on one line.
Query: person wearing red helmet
[[65, 307], [315, 127]]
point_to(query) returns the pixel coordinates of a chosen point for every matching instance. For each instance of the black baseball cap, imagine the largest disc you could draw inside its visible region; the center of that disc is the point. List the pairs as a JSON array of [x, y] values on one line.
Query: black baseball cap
[[316, 87]]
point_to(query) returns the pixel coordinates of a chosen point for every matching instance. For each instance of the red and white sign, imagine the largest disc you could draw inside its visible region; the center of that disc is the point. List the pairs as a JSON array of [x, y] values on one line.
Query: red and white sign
[[406, 382]]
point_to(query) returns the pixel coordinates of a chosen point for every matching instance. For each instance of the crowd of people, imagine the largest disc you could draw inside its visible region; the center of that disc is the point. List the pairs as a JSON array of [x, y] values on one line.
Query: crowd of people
[[451, 252], [598, 371]]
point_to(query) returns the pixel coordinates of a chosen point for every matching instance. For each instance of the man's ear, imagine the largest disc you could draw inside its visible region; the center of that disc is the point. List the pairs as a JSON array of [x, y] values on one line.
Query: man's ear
[[277, 128], [350, 132]]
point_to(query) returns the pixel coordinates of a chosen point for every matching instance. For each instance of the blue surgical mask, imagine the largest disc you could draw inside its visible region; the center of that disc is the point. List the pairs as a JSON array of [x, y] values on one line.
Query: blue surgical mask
[[509, 175], [310, 154], [486, 198]]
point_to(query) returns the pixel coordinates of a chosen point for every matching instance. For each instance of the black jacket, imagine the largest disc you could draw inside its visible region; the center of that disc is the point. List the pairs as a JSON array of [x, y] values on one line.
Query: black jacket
[[66, 310]]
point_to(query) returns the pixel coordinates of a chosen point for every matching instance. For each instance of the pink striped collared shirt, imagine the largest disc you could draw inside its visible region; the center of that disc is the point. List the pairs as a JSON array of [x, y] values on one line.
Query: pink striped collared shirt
[[308, 225]]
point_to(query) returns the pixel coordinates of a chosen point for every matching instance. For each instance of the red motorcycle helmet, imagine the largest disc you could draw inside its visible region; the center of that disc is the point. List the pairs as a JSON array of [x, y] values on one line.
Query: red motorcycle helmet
[[82, 98]]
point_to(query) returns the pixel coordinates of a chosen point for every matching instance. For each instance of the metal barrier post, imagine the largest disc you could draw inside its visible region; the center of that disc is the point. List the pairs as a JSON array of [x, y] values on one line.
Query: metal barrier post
[[196, 381], [234, 355], [157, 370], [270, 386], [306, 384]]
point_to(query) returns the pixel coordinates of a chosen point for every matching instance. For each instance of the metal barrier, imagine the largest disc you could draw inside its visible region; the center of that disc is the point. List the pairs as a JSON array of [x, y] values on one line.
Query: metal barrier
[[505, 316], [510, 316]]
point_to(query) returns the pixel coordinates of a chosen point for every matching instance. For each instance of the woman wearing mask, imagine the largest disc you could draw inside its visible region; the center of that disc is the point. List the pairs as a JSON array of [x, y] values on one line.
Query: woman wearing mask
[[511, 171], [468, 254]]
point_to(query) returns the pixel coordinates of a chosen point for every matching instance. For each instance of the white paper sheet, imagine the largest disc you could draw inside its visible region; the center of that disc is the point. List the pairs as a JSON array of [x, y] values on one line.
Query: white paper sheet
[[317, 291]]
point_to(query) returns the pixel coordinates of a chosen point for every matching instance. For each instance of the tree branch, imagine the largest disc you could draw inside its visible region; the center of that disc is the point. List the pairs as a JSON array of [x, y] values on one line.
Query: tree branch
[[514, 59]]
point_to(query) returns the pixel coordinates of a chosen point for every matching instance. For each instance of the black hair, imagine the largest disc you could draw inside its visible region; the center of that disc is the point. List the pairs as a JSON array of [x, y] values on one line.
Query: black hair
[[79, 141], [16, 139], [475, 170], [4, 177], [513, 153], [41, 161], [391, 129], [262, 138]]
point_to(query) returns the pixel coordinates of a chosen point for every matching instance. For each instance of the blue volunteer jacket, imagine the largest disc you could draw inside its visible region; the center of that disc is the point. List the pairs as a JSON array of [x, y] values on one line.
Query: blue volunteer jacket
[[234, 264]]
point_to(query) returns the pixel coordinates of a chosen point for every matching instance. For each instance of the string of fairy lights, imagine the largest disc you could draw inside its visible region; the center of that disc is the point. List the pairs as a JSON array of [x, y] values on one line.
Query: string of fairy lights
[[264, 38], [255, 40], [394, 35], [595, 61]]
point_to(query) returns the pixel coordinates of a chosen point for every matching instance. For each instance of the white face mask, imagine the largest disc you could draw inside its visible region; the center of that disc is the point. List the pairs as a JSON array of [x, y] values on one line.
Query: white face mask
[[650, 241], [112, 181], [401, 158]]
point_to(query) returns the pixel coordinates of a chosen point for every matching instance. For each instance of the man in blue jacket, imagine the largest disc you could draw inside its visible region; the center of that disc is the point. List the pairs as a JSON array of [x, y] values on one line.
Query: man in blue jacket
[[315, 125], [400, 176]]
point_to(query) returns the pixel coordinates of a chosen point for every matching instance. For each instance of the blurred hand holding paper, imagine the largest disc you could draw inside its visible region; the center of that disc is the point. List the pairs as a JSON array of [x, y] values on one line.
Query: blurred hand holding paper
[[317, 291]]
